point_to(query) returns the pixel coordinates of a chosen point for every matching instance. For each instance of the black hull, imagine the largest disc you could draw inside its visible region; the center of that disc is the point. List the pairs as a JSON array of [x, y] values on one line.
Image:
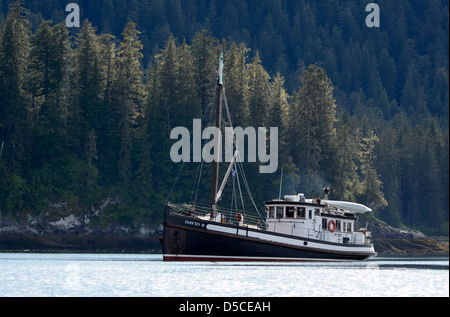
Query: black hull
[[189, 239]]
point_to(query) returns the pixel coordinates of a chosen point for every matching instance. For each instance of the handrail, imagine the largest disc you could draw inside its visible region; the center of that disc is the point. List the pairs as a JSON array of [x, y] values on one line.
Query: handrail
[[227, 216]]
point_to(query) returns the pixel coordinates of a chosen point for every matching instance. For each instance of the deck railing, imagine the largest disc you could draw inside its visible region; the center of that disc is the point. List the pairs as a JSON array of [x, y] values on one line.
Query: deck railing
[[227, 216]]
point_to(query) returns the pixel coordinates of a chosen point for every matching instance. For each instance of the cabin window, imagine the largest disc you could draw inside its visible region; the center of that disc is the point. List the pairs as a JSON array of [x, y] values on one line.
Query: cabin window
[[347, 226], [317, 211], [290, 212], [271, 212], [324, 223], [310, 213], [338, 225], [301, 212], [279, 212]]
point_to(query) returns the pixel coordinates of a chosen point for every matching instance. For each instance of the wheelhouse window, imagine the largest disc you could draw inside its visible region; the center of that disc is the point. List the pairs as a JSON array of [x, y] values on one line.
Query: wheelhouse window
[[316, 211], [347, 226], [324, 223], [301, 212], [290, 212], [271, 212], [279, 212], [338, 225]]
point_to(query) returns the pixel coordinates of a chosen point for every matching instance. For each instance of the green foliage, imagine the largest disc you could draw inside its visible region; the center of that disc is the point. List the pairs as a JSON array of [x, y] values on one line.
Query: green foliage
[[312, 125], [364, 111]]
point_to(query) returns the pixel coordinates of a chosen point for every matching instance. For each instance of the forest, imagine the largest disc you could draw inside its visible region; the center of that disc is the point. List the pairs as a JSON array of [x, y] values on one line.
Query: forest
[[86, 113]]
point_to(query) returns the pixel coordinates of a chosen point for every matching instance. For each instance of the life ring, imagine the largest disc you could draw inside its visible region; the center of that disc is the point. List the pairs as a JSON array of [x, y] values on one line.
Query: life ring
[[238, 217], [331, 225]]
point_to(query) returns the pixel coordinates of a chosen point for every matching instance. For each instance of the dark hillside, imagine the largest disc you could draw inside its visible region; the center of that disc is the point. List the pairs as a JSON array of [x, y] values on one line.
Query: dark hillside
[[86, 113]]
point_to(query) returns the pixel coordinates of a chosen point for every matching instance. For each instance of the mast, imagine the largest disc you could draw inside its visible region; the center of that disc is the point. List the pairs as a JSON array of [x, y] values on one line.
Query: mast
[[215, 175]]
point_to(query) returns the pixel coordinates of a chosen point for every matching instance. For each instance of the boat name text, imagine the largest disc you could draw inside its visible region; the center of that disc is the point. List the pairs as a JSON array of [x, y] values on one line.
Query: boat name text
[[194, 223]]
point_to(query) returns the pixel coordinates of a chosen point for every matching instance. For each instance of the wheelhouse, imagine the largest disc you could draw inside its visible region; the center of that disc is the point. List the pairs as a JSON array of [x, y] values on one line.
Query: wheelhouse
[[313, 219]]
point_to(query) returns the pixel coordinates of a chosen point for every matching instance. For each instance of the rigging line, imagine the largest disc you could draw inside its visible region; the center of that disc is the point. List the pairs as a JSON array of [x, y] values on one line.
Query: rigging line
[[244, 178], [182, 165], [195, 189], [233, 193], [174, 183], [198, 183], [226, 108], [197, 176], [240, 191]]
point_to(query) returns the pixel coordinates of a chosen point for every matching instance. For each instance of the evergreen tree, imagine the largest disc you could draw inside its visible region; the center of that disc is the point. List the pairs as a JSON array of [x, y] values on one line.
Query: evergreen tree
[[127, 97], [205, 55], [388, 72], [46, 71], [46, 82], [188, 105], [371, 187], [14, 52], [167, 75], [312, 124], [89, 79], [236, 82], [258, 93], [278, 116], [345, 183], [389, 168]]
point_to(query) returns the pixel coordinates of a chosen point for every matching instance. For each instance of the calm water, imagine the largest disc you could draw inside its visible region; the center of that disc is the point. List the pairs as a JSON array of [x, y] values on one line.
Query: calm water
[[32, 274]]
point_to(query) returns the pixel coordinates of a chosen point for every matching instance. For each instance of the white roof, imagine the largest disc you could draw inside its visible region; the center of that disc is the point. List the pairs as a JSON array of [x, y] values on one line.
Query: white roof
[[352, 207]]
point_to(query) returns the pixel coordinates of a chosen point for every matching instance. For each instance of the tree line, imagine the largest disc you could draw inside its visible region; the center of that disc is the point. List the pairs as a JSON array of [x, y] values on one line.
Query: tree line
[[83, 118]]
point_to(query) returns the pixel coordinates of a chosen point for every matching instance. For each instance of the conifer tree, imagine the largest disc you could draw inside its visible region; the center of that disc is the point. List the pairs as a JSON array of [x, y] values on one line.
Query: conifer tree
[[312, 124], [188, 105], [258, 92], [167, 74], [371, 186], [236, 82], [345, 183], [205, 56], [388, 153], [127, 97], [278, 116], [46, 82], [14, 51], [89, 78]]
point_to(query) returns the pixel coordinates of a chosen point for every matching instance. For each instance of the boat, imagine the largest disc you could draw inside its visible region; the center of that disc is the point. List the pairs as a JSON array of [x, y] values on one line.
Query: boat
[[293, 229]]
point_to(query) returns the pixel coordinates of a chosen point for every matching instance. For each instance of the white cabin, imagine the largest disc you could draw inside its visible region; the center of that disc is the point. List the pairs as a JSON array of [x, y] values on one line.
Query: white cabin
[[314, 219]]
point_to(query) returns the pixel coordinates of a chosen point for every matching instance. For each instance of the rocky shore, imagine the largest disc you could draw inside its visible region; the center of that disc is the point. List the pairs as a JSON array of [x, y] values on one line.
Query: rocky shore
[[74, 234], [389, 240]]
